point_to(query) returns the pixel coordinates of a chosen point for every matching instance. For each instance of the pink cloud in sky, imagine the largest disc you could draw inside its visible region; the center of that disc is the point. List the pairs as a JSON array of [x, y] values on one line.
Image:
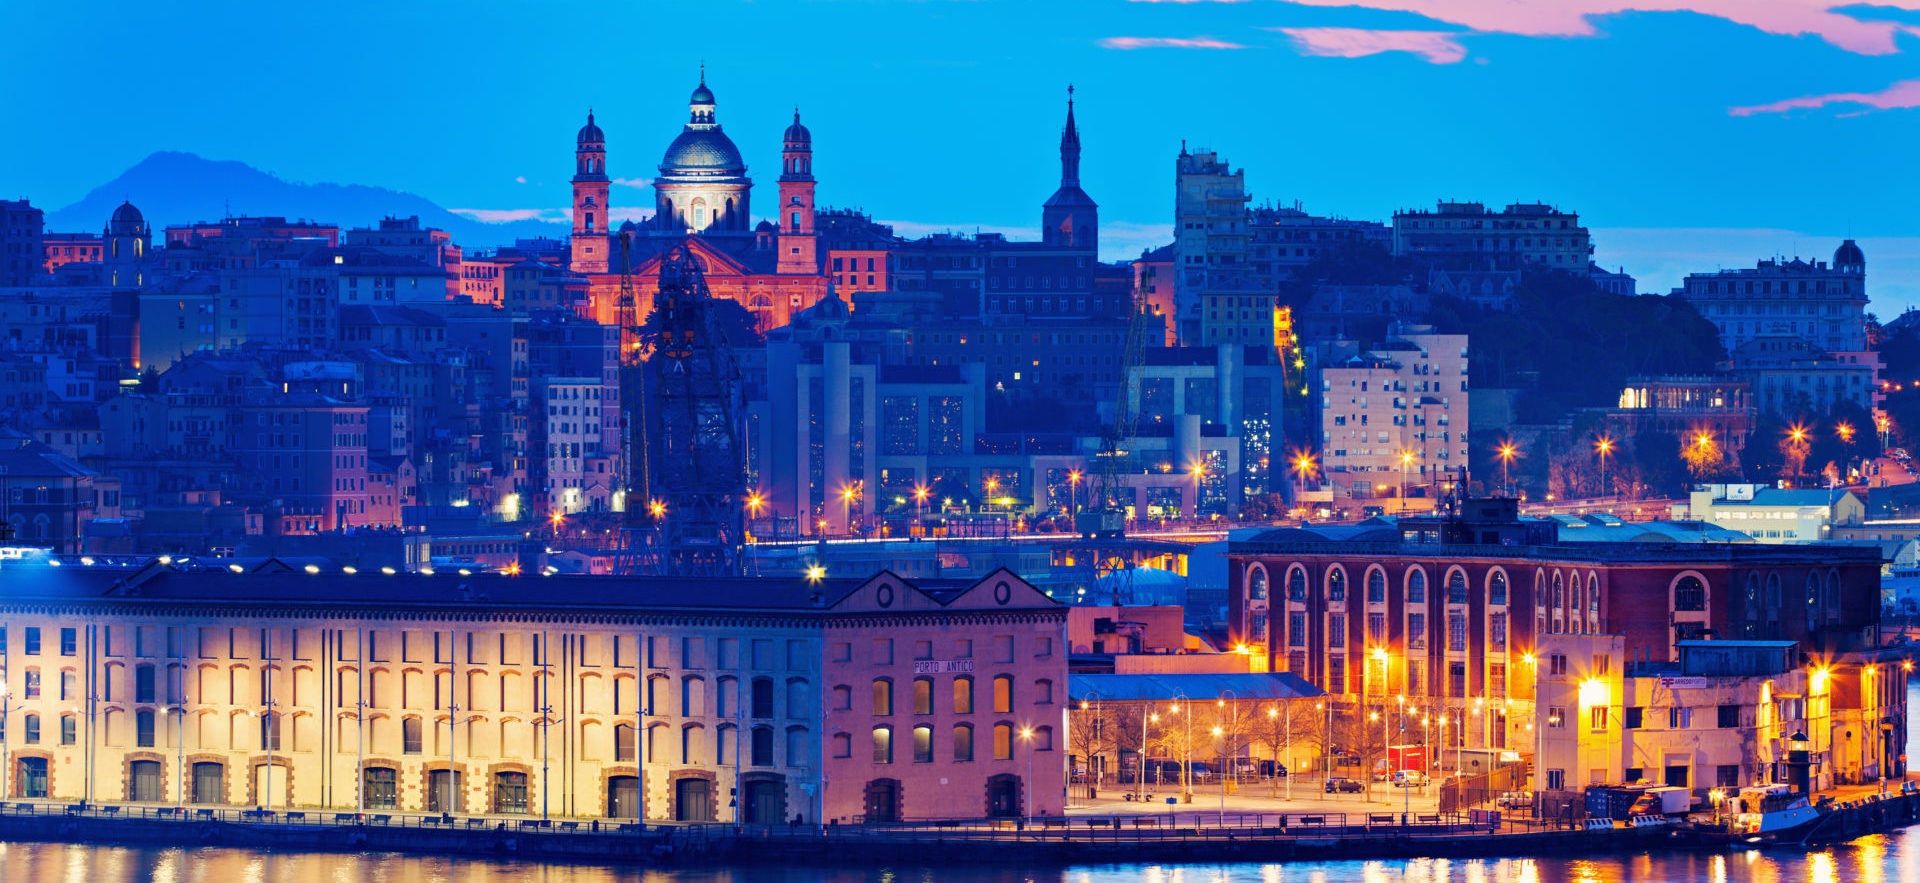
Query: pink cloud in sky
[[1168, 43], [1438, 47], [1905, 93], [1574, 18]]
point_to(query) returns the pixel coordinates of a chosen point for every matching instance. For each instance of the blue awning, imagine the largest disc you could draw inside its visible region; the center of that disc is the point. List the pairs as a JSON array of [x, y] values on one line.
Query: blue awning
[[1167, 687]]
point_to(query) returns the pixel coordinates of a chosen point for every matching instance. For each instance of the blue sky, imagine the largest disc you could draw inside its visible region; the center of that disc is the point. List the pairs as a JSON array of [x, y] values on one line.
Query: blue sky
[[1689, 134]]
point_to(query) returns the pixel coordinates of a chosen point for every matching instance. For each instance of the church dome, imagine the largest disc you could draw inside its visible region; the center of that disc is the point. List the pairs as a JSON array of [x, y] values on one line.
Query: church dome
[[701, 94], [702, 150], [1849, 255], [127, 214], [590, 133], [798, 133]]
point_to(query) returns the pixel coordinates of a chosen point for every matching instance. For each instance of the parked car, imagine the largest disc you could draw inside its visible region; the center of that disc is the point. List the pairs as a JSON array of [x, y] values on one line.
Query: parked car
[[1409, 779], [1273, 769], [1515, 800], [1337, 784]]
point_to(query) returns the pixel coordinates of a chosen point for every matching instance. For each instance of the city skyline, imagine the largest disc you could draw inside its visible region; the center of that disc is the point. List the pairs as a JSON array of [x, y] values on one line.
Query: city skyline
[[1619, 158]]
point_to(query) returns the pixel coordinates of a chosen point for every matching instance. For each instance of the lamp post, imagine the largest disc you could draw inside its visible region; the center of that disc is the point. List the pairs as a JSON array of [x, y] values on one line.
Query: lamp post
[[1026, 735], [1186, 763], [1140, 781], [1220, 743], [1507, 451], [1073, 495], [993, 484], [1230, 760], [1603, 447], [919, 510], [1406, 460], [1273, 712], [1199, 475], [179, 747]]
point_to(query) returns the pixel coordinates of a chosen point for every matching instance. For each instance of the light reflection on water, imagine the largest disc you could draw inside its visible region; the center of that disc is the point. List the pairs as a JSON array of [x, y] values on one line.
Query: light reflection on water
[[1888, 858]]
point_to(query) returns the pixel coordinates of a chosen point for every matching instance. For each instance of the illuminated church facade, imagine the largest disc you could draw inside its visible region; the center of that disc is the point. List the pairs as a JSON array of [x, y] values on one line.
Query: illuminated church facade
[[703, 198]]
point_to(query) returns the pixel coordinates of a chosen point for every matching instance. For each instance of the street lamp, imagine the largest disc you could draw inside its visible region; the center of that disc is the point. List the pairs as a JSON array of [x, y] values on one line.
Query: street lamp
[[1223, 784], [1148, 715], [1603, 447], [1026, 735], [755, 502], [1507, 450], [851, 494], [1073, 496], [919, 507], [1199, 475], [1186, 763], [993, 484]]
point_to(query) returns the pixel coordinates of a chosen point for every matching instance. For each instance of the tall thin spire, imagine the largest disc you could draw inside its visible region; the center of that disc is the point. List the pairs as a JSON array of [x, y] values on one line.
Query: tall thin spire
[[1070, 147]]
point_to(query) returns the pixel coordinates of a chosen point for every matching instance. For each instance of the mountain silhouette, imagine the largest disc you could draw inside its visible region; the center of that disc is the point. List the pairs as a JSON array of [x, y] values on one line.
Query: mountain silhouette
[[170, 187]]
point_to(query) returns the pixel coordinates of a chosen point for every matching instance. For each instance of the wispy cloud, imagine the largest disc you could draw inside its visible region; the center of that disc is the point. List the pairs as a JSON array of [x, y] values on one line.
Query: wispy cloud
[[505, 215], [1438, 47], [1168, 43], [1903, 94], [636, 183], [520, 179], [1830, 20]]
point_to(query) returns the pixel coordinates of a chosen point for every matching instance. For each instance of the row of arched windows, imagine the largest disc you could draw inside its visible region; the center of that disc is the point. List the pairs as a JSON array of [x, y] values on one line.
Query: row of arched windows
[[960, 743]]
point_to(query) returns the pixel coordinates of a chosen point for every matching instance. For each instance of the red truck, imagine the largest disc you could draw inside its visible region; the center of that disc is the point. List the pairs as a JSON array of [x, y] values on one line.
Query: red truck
[[1406, 757]]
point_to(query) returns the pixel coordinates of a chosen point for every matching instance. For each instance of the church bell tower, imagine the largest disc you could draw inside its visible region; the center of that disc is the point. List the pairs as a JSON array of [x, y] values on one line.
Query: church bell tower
[[591, 244], [798, 244]]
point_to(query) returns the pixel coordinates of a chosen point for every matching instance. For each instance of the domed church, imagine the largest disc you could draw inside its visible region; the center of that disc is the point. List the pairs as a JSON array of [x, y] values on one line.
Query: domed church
[[702, 198], [703, 185]]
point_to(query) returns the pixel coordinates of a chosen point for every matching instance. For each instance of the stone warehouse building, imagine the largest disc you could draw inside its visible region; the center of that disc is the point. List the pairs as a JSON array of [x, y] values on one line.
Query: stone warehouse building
[[1451, 613], [635, 698]]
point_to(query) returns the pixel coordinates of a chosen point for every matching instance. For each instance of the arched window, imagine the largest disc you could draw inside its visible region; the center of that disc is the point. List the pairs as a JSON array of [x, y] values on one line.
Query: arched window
[[962, 742], [1833, 594], [1559, 593], [763, 746], [1257, 583], [882, 696], [1003, 694], [1376, 585], [1296, 585], [922, 695], [1457, 587], [883, 745], [762, 697], [923, 744], [1497, 587], [1336, 584], [623, 743], [1002, 741], [1813, 598], [1690, 594], [963, 695], [1593, 595], [1416, 586]]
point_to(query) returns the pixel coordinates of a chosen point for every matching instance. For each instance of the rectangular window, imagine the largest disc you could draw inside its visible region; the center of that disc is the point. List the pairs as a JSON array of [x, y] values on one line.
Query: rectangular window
[[69, 642], [1337, 631], [1456, 631], [882, 745], [1727, 776], [1729, 717], [1376, 628], [1598, 722], [1556, 717], [1635, 716], [1679, 718], [1557, 664], [1297, 629], [1416, 631], [33, 641], [1497, 631]]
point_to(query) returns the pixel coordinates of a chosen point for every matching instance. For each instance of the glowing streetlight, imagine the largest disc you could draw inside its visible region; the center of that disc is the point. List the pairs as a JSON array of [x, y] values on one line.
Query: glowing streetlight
[[1073, 496], [1406, 461], [1603, 446], [816, 573], [1507, 451], [755, 502]]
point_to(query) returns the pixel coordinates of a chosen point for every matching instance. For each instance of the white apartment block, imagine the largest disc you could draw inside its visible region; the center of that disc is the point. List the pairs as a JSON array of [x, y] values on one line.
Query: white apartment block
[[1395, 416]]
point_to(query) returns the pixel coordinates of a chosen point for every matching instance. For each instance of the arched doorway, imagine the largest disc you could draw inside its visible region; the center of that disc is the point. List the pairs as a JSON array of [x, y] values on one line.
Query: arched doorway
[[623, 797], [33, 777], [766, 803], [143, 781], [209, 782], [510, 792], [883, 800], [1003, 796], [382, 788], [693, 800], [443, 791]]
